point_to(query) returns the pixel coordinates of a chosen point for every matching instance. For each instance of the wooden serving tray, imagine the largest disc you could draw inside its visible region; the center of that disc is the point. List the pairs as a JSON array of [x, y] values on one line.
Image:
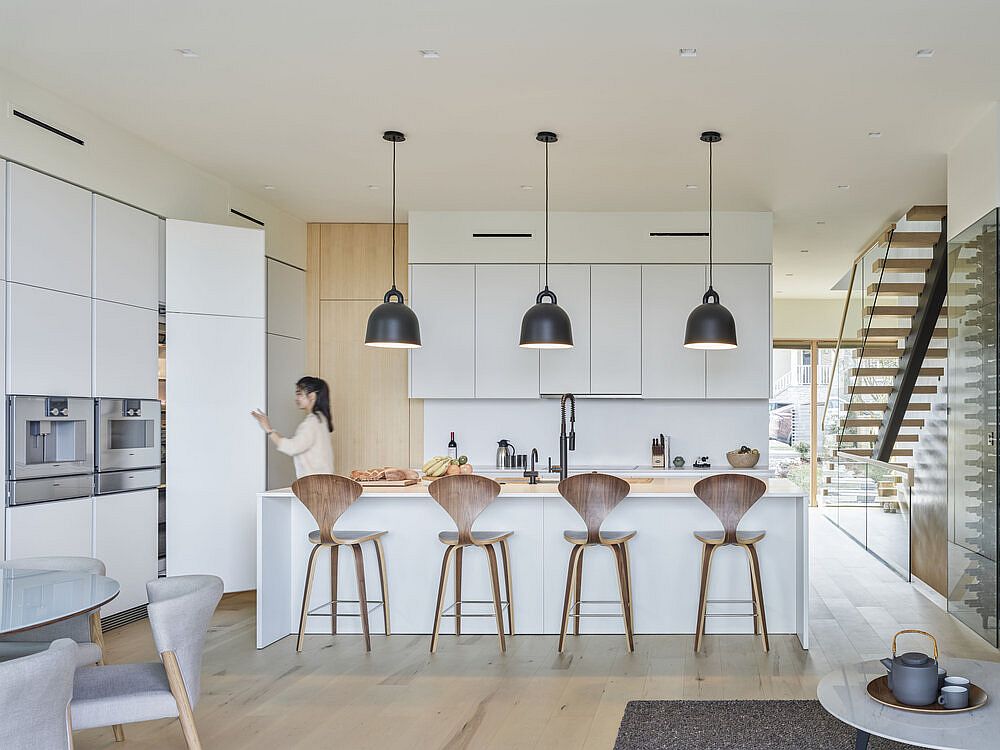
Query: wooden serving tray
[[389, 483], [878, 689]]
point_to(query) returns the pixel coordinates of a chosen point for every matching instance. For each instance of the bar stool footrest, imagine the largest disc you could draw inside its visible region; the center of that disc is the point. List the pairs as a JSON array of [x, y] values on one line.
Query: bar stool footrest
[[372, 606], [446, 612]]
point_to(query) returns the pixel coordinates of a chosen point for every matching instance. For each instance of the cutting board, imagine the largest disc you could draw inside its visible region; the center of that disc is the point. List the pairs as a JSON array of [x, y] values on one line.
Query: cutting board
[[389, 483]]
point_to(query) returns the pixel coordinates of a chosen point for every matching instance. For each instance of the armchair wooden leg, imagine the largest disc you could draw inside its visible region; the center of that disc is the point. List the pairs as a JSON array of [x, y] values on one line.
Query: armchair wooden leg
[[623, 592], [458, 591], [497, 606], [570, 576], [179, 691], [578, 589], [97, 638], [359, 569], [306, 596], [442, 585], [505, 554], [334, 580], [384, 582], [759, 594]]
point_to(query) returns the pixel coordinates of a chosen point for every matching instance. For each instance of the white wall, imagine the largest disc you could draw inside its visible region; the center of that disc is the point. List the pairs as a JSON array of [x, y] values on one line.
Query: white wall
[[974, 173], [807, 318], [615, 432], [123, 166]]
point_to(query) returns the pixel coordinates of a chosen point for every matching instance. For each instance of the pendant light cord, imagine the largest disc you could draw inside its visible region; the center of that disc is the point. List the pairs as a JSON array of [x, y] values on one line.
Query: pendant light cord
[[392, 225], [710, 214], [546, 216]]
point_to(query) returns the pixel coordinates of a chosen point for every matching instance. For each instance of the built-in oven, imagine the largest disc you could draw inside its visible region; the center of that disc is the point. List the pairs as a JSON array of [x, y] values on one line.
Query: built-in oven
[[50, 448], [128, 444]]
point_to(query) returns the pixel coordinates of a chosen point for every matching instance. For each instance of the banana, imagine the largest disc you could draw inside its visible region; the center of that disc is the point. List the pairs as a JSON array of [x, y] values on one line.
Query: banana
[[437, 466], [431, 462]]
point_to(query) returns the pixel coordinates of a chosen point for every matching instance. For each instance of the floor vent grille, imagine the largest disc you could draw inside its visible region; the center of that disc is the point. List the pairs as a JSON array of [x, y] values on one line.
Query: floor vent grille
[[123, 618], [45, 126]]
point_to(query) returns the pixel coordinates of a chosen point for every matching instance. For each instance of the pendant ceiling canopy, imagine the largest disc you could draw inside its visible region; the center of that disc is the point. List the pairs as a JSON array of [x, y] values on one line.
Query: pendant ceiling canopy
[[710, 325], [546, 325], [393, 325]]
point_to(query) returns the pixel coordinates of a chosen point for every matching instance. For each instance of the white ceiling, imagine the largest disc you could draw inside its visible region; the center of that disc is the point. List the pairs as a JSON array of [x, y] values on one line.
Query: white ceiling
[[296, 94]]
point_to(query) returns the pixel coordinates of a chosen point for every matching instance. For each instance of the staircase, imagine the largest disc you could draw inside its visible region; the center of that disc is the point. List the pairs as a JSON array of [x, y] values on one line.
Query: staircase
[[891, 370]]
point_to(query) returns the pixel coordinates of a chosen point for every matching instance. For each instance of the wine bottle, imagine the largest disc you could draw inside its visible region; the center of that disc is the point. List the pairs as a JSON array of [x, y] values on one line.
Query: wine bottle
[[452, 447]]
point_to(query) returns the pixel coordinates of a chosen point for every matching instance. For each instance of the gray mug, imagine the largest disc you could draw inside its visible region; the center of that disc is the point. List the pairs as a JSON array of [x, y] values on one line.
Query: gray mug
[[942, 674], [953, 696]]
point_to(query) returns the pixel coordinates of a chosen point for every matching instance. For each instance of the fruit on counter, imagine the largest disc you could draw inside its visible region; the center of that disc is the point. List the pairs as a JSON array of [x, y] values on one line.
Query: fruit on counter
[[440, 466], [385, 473], [747, 449]]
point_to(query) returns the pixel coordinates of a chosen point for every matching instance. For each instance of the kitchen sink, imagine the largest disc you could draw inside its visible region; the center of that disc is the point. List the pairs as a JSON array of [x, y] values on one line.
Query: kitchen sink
[[524, 480]]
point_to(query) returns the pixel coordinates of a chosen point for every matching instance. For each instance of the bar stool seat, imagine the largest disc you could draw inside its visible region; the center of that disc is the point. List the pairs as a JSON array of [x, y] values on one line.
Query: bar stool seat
[[479, 538], [719, 537], [606, 537], [346, 537]]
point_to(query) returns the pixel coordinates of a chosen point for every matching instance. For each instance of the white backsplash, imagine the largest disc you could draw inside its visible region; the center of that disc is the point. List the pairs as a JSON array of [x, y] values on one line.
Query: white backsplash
[[611, 432]]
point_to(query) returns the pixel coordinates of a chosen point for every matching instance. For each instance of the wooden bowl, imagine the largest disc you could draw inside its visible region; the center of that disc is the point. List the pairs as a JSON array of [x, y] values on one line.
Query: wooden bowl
[[742, 460]]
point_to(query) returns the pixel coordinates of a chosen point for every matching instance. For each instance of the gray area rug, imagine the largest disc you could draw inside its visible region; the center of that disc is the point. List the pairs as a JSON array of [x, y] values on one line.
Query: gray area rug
[[736, 725]]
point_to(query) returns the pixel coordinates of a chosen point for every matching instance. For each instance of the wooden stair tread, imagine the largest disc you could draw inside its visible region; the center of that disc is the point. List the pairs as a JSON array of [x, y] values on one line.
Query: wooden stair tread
[[880, 352], [872, 438], [908, 265], [882, 406], [897, 333], [878, 422], [869, 390], [906, 288], [911, 240], [927, 213], [890, 311], [925, 372], [867, 454]]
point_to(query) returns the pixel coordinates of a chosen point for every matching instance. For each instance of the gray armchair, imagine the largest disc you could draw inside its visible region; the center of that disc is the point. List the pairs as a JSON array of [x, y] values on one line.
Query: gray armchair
[[84, 629], [180, 610], [35, 692]]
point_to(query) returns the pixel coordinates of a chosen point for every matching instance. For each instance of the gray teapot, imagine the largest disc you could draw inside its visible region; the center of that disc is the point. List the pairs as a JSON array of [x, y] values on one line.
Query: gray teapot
[[913, 676]]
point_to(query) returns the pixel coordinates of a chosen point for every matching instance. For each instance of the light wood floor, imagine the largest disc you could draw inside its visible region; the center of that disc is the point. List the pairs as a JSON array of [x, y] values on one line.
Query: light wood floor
[[468, 696]]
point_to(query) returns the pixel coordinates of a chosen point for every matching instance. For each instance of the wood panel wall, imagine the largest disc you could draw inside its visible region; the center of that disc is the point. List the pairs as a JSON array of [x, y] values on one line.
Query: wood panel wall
[[347, 274]]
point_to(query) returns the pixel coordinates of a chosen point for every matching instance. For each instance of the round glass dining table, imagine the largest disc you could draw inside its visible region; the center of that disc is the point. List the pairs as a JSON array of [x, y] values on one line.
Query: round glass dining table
[[32, 598]]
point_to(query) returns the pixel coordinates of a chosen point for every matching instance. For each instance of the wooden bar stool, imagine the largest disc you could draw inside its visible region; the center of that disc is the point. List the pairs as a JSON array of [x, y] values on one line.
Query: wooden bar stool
[[594, 496], [464, 497], [327, 496], [730, 496]]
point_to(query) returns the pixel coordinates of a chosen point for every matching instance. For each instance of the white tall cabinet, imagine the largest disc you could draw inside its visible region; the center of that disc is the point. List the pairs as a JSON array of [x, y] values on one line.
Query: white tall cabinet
[[216, 375], [125, 538]]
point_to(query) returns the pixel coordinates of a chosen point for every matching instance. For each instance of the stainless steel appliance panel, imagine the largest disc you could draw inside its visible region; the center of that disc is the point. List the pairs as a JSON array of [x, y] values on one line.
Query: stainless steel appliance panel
[[27, 491], [49, 436], [125, 481], [128, 434]]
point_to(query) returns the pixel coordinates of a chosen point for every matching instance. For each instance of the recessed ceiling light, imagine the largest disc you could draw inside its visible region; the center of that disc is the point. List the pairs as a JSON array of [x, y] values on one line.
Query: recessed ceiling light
[[789, 274], [688, 52], [373, 187], [778, 291], [925, 52], [430, 54], [874, 134], [185, 52], [843, 187], [803, 251], [821, 222], [527, 187], [690, 187], [269, 187]]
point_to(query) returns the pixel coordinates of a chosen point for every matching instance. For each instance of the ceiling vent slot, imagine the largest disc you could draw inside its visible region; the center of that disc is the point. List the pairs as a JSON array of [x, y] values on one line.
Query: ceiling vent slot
[[507, 235], [678, 234], [248, 217], [46, 126]]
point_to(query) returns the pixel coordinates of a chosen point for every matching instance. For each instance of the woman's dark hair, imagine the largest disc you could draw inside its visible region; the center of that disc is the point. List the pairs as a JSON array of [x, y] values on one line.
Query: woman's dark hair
[[309, 384]]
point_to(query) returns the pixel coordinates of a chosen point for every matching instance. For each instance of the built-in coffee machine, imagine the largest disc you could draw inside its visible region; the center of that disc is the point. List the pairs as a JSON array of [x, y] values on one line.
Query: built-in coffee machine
[[128, 444], [50, 448]]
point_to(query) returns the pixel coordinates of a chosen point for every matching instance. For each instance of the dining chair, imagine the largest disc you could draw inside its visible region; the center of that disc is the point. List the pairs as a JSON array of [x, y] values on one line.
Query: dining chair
[[327, 497], [84, 629], [35, 692], [730, 496], [180, 609], [594, 496]]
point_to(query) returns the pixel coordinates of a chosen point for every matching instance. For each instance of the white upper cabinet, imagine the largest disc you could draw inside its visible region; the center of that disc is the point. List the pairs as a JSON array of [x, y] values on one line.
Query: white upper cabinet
[[3, 219], [744, 372], [503, 294], [615, 326], [444, 299], [568, 370], [286, 300], [125, 351], [215, 270], [50, 232], [48, 342], [669, 294], [126, 254]]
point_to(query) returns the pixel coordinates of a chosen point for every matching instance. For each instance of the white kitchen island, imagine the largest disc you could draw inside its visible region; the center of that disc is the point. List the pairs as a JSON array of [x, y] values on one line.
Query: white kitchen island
[[666, 561]]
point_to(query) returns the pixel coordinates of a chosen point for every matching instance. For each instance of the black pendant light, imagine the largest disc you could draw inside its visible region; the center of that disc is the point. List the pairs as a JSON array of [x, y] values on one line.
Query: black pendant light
[[710, 325], [392, 325], [546, 325]]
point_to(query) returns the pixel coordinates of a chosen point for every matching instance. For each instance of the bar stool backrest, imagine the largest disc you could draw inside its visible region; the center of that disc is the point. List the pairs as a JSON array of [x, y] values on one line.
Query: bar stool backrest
[[464, 497], [594, 496], [730, 496], [326, 496]]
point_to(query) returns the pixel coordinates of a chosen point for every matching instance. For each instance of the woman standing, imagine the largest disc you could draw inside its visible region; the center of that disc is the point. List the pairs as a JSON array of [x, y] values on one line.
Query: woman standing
[[310, 446]]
